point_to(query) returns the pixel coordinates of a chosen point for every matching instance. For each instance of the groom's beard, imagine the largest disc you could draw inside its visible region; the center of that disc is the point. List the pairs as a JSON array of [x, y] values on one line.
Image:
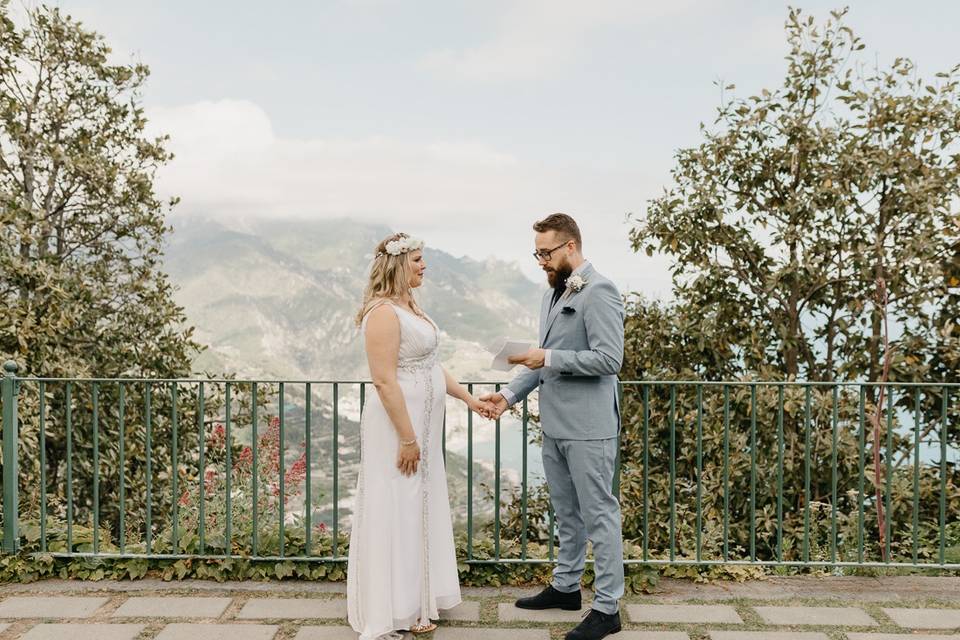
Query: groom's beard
[[557, 278]]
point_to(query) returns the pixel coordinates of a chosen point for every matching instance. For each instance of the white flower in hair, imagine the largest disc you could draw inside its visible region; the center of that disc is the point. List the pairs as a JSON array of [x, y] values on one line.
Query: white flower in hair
[[401, 245], [576, 282]]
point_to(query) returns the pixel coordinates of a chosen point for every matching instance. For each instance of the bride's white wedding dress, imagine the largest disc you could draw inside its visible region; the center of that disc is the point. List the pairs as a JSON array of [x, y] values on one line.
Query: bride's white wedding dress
[[402, 564]]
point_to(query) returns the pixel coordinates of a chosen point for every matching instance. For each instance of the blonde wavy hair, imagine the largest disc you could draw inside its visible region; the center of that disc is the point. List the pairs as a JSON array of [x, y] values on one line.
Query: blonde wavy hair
[[389, 278]]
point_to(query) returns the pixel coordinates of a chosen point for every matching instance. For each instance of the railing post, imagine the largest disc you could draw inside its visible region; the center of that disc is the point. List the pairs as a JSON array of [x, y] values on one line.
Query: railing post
[[11, 511]]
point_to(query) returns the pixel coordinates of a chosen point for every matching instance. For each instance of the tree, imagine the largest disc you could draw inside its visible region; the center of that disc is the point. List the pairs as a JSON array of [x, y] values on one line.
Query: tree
[[82, 226], [800, 204], [82, 230], [781, 222]]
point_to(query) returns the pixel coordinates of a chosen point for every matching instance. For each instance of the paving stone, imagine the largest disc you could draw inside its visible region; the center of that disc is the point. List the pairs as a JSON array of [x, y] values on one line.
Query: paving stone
[[346, 633], [172, 607], [325, 633], [83, 632], [50, 607], [897, 636], [184, 631], [692, 613], [506, 612], [454, 633], [925, 618], [833, 616], [468, 610], [293, 608], [652, 635], [767, 635]]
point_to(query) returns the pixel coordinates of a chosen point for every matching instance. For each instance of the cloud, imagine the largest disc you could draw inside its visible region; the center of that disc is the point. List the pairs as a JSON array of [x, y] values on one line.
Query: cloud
[[228, 157], [466, 196], [534, 37]]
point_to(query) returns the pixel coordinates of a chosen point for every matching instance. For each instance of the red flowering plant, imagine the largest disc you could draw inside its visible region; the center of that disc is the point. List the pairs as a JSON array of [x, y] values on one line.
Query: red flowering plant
[[259, 495]]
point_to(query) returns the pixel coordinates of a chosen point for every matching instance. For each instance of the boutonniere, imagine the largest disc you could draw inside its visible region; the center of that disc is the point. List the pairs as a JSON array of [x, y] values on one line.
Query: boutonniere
[[576, 282]]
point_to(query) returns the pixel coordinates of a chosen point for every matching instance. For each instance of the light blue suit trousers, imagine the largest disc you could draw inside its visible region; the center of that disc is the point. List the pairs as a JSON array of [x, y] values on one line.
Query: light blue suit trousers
[[580, 476]]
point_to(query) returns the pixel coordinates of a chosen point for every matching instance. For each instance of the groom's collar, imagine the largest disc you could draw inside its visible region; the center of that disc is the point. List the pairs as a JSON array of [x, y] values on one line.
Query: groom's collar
[[580, 270]]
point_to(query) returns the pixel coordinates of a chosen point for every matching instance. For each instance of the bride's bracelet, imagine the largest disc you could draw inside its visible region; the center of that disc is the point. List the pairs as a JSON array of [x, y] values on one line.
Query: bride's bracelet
[[407, 443]]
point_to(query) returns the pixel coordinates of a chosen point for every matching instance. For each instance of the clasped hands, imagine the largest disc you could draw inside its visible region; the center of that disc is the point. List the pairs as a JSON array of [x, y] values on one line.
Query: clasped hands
[[489, 405], [492, 405]]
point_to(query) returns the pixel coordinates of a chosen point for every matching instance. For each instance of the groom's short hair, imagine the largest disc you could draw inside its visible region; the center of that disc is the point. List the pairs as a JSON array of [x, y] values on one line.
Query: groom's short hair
[[561, 223]]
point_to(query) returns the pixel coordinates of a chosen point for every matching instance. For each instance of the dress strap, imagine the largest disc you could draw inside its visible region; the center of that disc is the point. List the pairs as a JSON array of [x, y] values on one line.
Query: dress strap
[[379, 303]]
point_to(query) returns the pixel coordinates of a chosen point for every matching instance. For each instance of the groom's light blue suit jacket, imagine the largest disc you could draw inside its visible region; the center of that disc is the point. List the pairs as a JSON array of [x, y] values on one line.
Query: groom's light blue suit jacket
[[584, 333]]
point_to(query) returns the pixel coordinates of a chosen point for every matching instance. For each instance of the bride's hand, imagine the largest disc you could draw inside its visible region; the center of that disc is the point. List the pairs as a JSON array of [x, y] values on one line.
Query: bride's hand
[[484, 409], [408, 457]]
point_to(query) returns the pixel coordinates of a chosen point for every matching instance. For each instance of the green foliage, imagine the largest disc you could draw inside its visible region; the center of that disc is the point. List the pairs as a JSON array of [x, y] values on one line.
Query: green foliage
[[32, 564], [779, 225], [781, 221], [791, 473], [207, 546], [82, 232], [82, 227]]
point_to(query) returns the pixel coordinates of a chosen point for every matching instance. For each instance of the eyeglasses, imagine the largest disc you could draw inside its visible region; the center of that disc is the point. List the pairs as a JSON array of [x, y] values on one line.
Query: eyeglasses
[[544, 254]]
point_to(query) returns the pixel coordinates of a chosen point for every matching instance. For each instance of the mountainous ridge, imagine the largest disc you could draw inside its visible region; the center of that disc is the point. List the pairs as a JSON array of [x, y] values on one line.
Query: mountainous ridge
[[277, 298]]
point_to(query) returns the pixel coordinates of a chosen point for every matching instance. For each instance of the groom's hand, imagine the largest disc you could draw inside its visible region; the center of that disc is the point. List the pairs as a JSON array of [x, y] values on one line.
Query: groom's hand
[[532, 359], [497, 402], [481, 407]]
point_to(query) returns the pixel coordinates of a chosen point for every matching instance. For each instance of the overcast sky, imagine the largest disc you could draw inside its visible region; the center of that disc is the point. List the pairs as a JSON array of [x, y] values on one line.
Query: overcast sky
[[463, 122]]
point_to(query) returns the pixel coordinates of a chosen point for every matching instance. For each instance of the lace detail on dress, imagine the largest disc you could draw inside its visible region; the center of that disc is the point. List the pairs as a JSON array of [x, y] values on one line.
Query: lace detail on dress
[[420, 364], [425, 483]]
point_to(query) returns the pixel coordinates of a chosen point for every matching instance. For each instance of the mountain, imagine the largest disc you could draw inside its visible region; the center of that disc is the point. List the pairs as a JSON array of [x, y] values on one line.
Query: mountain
[[277, 298]]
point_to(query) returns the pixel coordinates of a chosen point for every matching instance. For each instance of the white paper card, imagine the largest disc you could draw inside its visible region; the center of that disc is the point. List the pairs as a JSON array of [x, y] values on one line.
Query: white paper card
[[503, 349]]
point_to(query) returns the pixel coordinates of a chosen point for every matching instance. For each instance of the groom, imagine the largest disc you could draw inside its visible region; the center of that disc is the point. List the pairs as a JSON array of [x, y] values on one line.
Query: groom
[[576, 366]]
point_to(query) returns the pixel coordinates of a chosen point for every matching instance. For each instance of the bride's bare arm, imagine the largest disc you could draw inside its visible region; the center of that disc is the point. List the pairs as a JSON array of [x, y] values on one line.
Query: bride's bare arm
[[383, 350], [459, 392], [454, 388]]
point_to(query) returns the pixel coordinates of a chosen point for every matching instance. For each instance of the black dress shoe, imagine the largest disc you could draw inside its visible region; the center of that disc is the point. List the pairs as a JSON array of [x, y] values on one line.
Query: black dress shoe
[[550, 598], [595, 625]]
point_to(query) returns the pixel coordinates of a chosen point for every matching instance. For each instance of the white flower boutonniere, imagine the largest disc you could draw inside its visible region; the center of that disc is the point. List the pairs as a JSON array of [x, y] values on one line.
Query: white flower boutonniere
[[576, 283]]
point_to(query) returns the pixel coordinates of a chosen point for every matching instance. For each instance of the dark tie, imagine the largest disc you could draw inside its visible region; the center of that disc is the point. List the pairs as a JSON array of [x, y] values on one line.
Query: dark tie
[[556, 295]]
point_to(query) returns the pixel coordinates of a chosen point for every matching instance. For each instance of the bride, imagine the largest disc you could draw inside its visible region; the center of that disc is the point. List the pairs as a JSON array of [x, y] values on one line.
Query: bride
[[402, 566]]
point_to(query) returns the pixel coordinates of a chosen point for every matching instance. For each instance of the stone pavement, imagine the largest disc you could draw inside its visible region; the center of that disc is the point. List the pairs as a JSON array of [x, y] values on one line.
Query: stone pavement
[[801, 608]]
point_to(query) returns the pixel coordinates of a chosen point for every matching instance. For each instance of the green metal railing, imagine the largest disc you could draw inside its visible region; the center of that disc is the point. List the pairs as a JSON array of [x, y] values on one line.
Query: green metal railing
[[737, 473]]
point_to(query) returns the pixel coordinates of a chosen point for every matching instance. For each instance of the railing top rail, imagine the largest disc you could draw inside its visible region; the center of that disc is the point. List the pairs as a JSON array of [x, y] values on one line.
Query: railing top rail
[[193, 380], [706, 383], [220, 380], [792, 383]]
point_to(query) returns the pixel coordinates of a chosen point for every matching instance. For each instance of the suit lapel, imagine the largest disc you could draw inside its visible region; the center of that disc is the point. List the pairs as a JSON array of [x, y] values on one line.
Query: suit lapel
[[544, 312], [570, 293], [554, 312]]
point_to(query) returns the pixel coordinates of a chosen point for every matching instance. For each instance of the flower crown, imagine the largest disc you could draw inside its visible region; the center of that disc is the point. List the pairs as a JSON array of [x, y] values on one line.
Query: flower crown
[[402, 244]]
